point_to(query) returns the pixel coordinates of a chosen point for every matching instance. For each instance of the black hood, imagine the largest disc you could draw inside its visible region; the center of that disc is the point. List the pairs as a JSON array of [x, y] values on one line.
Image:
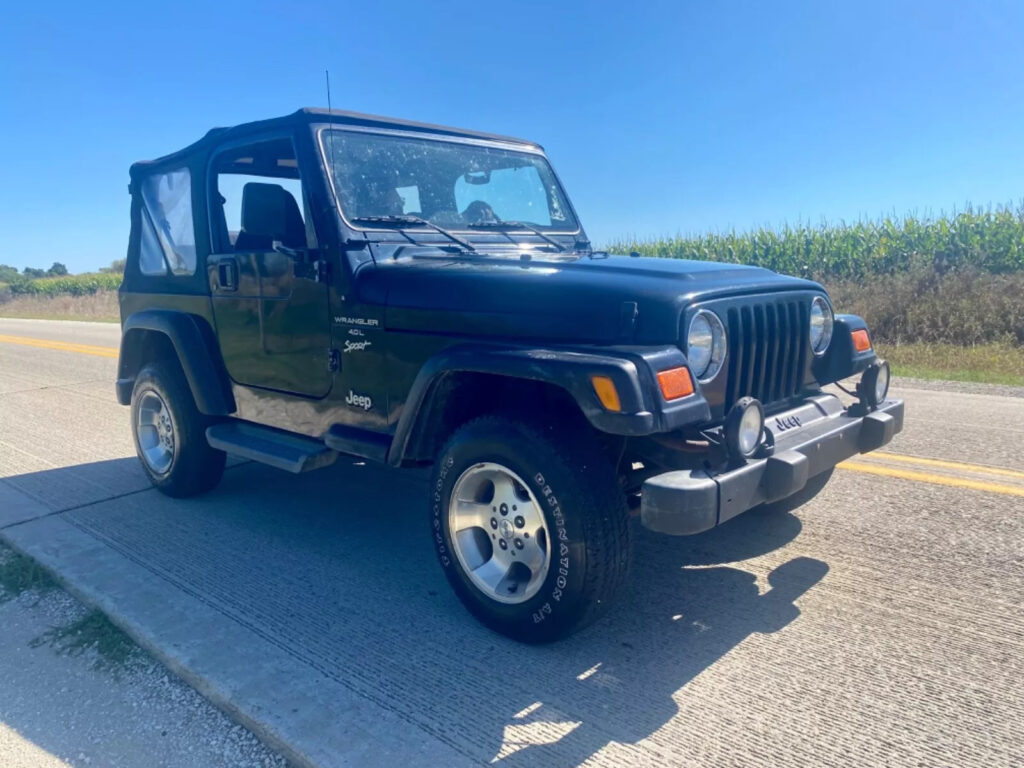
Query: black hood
[[548, 298]]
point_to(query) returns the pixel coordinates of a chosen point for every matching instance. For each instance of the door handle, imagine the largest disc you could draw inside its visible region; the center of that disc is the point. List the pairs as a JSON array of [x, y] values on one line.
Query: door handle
[[227, 274]]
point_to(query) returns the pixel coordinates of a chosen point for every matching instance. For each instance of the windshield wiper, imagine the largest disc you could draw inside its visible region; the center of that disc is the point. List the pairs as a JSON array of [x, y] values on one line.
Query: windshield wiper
[[512, 224], [415, 220]]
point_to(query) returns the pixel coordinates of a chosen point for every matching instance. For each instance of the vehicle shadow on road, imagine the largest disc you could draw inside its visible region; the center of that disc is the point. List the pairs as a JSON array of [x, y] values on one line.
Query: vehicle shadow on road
[[671, 628], [336, 567]]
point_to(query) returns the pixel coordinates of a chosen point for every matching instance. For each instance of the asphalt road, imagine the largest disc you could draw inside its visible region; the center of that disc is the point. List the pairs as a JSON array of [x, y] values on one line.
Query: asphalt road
[[879, 625]]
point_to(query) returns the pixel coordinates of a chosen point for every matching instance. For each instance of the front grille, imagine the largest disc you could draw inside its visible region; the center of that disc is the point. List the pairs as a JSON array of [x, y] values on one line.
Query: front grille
[[767, 350]]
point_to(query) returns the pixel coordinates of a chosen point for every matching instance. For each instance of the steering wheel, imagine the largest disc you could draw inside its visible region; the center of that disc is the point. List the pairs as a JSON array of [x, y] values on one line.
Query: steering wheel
[[479, 212]]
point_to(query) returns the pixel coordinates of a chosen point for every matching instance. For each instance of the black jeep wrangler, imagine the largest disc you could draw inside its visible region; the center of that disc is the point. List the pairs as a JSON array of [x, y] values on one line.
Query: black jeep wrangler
[[332, 283]]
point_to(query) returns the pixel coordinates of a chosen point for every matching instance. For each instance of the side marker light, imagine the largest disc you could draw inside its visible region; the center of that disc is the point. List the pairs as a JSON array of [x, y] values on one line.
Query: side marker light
[[675, 383]]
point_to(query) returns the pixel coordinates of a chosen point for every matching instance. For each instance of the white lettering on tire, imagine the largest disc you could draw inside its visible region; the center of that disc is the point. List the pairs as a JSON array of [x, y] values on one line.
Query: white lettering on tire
[[557, 592]]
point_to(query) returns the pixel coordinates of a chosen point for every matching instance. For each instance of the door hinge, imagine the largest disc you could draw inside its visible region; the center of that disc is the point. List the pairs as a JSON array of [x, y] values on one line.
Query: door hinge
[[333, 360], [323, 271]]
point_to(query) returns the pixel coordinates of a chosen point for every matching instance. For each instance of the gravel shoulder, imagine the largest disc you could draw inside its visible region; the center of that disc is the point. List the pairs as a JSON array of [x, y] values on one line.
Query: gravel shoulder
[[961, 387], [75, 691]]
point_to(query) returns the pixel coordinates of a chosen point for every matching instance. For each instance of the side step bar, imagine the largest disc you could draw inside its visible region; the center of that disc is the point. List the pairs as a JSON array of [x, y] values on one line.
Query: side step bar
[[284, 450]]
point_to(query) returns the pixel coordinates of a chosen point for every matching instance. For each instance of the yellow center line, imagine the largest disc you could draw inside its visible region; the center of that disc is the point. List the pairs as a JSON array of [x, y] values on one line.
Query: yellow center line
[[853, 466], [65, 346], [928, 477], [945, 464]]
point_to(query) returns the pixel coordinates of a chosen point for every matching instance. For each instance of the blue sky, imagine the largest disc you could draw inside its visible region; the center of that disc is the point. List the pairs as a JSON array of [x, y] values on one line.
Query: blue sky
[[660, 117]]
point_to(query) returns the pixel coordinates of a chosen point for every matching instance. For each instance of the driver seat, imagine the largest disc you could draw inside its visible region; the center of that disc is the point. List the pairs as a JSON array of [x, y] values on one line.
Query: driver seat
[[269, 213]]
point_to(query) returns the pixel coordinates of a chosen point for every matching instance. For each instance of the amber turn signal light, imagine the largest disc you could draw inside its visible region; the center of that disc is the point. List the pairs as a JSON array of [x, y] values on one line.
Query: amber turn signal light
[[606, 393], [675, 383], [861, 342]]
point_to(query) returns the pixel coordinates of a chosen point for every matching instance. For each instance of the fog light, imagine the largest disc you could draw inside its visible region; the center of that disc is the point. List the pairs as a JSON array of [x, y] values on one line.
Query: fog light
[[744, 428], [874, 385]]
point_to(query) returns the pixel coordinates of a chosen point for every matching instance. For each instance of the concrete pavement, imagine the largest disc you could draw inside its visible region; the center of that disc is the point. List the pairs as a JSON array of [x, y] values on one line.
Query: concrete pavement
[[879, 625]]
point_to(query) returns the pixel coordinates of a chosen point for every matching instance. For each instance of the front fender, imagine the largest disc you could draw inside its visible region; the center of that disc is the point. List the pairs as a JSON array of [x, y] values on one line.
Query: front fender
[[842, 360], [195, 346], [633, 370]]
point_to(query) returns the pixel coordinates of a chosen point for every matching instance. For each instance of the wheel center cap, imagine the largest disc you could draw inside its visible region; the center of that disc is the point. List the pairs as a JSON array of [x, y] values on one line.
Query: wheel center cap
[[506, 529]]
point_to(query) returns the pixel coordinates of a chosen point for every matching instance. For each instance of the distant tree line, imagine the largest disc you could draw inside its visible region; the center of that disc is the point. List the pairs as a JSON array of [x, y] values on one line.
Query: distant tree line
[[57, 281], [12, 277], [9, 274]]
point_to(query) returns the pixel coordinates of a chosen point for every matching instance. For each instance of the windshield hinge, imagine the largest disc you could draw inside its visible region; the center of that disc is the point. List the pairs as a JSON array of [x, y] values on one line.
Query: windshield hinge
[[333, 360], [628, 313]]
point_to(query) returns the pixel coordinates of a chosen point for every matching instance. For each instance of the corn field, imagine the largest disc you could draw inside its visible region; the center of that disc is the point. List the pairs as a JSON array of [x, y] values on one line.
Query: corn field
[[73, 285], [956, 279], [987, 240]]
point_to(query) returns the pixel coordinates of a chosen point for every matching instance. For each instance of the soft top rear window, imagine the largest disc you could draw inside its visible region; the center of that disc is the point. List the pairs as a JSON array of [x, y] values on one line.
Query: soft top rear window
[[168, 203]]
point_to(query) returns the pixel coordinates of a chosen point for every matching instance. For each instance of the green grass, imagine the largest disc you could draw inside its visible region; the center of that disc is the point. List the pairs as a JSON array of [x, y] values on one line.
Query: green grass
[[20, 574], [983, 363], [94, 631], [94, 307], [76, 316], [114, 649]]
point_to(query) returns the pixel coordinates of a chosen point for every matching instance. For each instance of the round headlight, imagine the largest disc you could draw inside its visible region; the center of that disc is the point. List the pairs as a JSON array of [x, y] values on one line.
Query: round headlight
[[821, 325], [705, 345]]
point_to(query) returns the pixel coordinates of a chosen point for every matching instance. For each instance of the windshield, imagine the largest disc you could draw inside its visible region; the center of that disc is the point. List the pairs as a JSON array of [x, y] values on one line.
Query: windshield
[[448, 183]]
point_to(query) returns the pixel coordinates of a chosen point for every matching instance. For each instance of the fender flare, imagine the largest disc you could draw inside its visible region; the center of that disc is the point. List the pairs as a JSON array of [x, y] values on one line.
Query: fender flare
[[841, 360], [570, 370], [195, 345]]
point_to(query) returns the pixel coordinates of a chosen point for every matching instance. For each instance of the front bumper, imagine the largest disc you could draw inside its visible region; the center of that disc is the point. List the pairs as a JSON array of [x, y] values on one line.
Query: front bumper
[[809, 439]]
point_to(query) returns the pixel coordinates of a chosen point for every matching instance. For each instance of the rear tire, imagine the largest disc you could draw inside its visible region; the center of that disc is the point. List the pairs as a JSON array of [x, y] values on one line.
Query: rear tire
[[514, 477], [170, 433]]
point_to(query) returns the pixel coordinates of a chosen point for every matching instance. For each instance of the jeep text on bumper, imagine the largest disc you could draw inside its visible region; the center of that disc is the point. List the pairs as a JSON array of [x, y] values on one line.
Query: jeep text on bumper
[[808, 440]]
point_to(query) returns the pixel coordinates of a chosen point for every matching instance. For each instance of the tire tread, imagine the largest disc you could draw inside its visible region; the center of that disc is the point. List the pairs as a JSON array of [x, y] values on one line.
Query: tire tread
[[584, 472], [198, 468]]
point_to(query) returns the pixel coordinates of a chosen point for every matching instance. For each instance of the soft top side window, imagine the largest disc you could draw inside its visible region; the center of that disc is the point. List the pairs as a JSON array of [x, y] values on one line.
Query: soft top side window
[[168, 205], [151, 254]]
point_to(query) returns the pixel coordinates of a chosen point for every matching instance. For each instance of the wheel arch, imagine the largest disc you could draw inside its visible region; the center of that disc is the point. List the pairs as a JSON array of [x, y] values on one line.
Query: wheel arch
[[464, 382], [458, 396], [152, 335]]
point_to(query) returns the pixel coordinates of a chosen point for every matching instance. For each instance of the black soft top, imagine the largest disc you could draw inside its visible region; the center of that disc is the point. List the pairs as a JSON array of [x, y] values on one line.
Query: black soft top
[[309, 115]]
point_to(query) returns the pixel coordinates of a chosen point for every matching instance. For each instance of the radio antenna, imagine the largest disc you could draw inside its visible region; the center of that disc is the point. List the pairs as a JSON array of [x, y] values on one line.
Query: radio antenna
[[330, 119]]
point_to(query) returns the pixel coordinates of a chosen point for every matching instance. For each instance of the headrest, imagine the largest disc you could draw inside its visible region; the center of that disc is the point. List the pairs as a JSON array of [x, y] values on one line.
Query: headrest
[[269, 210]]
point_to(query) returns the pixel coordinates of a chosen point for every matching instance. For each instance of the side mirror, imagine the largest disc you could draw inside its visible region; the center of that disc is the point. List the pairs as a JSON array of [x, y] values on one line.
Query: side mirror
[[309, 263]]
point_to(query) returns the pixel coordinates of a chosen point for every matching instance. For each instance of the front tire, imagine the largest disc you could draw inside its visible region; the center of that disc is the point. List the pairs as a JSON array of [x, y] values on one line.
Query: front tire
[[530, 526], [170, 433]]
